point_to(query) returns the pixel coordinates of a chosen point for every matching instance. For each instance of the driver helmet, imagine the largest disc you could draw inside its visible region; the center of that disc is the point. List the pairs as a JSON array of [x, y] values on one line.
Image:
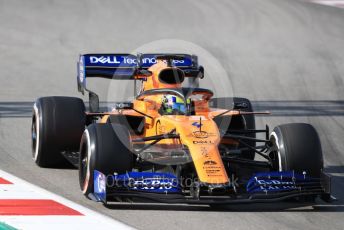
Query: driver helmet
[[173, 105]]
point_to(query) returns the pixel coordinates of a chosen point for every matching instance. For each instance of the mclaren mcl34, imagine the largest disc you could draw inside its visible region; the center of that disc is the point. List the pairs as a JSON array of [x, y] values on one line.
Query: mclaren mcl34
[[172, 143]]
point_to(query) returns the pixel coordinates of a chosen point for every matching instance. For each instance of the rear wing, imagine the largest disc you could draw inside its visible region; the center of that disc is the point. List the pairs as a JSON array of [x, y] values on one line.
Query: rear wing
[[126, 66]]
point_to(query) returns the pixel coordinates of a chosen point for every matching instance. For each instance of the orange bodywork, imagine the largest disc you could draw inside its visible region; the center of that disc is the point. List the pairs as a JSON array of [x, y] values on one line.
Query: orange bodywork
[[202, 140], [202, 150]]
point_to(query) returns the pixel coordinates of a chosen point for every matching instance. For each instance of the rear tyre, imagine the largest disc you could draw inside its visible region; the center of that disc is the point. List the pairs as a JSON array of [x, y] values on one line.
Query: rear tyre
[[57, 125], [298, 149], [105, 148]]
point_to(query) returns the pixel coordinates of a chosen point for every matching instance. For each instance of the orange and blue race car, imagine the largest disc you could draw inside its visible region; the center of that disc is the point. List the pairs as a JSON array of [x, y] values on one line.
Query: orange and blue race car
[[172, 143]]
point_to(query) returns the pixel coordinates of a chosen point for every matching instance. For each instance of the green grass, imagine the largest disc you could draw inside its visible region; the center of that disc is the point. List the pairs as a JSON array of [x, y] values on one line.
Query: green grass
[[4, 226]]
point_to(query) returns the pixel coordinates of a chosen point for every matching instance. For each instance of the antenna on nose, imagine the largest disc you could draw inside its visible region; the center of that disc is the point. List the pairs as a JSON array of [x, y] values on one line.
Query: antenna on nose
[[200, 124]]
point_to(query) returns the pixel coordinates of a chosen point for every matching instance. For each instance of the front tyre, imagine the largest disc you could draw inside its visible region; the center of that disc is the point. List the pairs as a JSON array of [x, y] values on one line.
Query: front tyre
[[105, 148], [297, 148]]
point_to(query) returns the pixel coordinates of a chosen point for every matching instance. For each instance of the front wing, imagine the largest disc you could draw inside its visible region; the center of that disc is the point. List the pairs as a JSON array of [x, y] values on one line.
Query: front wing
[[164, 188]]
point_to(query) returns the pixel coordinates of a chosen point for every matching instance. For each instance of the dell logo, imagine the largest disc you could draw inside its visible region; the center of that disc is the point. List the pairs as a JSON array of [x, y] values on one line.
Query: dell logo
[[104, 60]]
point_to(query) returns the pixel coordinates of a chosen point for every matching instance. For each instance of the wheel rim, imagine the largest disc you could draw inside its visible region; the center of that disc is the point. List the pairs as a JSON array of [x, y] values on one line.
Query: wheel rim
[[83, 166], [33, 136], [85, 156], [35, 133], [275, 154]]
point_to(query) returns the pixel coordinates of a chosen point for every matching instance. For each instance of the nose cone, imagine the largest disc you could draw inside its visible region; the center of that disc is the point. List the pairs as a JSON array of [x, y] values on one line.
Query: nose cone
[[201, 136]]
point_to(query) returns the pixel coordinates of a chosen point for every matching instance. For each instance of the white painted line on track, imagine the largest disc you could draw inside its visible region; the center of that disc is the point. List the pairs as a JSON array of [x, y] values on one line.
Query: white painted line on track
[[20, 189]]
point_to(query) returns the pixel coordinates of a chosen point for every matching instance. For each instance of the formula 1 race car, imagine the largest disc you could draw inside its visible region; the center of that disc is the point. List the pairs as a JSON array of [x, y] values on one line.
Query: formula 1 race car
[[172, 143]]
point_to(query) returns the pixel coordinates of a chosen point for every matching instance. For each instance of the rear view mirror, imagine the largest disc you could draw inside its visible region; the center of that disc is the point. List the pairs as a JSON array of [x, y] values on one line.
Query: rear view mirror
[[124, 105]]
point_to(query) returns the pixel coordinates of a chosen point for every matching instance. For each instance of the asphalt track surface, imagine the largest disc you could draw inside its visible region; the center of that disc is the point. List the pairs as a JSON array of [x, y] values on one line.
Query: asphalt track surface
[[286, 56]]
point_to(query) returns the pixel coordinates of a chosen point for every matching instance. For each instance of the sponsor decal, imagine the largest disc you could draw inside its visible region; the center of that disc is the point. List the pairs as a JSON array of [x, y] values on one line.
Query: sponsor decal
[[212, 170], [152, 60], [276, 181], [203, 142], [275, 185], [215, 175], [151, 184], [197, 124], [204, 152], [111, 60], [104, 59], [211, 167], [210, 162], [145, 181], [200, 134], [148, 60], [130, 60]]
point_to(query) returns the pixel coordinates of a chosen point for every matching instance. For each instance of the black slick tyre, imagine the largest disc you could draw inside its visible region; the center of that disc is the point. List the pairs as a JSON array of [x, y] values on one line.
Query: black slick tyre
[[297, 148], [57, 126], [105, 148]]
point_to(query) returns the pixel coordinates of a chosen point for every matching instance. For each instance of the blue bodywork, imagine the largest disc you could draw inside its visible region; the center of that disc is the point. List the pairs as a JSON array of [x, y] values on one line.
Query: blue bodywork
[[99, 185], [164, 183], [267, 182]]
